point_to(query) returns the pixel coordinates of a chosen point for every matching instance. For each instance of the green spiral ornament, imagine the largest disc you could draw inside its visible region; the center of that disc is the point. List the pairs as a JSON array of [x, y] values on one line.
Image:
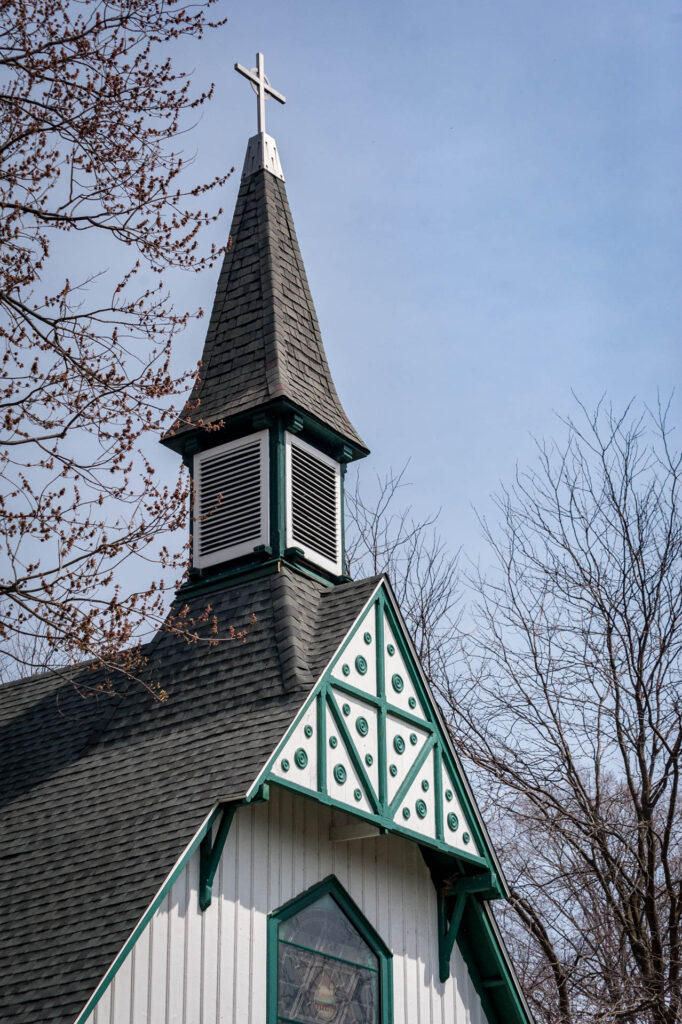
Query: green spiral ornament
[[301, 758]]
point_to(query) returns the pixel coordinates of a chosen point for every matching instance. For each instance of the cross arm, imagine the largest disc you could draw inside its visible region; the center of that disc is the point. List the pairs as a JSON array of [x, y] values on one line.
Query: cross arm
[[254, 79]]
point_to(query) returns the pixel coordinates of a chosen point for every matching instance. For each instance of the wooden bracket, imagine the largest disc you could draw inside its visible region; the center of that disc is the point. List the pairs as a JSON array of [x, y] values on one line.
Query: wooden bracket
[[451, 901], [210, 850], [209, 856]]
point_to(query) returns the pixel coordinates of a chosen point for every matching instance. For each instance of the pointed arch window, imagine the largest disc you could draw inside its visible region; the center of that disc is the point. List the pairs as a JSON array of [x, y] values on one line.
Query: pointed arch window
[[327, 965]]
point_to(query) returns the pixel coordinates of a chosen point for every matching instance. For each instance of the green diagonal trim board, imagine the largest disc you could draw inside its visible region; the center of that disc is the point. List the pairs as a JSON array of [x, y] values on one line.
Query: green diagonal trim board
[[352, 752], [411, 775]]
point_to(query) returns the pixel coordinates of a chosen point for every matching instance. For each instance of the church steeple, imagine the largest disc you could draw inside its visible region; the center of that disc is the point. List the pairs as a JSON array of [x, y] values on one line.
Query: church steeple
[[264, 431]]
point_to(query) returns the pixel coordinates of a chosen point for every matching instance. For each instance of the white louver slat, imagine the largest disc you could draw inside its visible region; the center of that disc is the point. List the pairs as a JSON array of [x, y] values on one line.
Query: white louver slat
[[313, 504], [231, 507]]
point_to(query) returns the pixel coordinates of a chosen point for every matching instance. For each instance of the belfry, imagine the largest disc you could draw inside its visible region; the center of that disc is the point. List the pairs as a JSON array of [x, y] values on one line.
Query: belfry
[[264, 433], [291, 837]]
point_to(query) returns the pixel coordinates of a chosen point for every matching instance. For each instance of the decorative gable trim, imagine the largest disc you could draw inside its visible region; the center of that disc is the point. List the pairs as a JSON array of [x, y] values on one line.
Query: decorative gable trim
[[370, 740]]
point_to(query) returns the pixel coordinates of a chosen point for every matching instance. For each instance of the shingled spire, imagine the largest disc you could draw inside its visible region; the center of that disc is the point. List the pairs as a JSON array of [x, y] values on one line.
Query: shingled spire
[[263, 342], [264, 369]]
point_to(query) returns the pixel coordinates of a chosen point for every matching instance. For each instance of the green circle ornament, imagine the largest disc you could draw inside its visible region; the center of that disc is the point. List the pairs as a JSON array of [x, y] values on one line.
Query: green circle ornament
[[452, 821], [301, 758], [466, 838], [340, 774], [412, 702], [362, 726], [367, 638], [357, 794], [406, 813], [425, 785], [369, 760], [332, 742], [420, 808], [413, 738], [308, 731], [448, 795], [397, 683], [345, 669], [346, 709], [399, 745], [361, 664], [285, 765], [393, 770], [391, 649]]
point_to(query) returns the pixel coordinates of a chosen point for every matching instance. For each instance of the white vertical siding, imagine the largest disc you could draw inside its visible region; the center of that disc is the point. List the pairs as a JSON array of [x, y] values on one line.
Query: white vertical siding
[[210, 968]]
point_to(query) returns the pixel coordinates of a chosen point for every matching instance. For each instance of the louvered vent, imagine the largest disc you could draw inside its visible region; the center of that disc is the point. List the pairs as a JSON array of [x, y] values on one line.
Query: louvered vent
[[231, 510], [314, 504]]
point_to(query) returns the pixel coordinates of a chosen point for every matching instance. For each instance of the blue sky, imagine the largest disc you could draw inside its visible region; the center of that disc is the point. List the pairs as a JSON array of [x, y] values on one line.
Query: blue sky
[[488, 201]]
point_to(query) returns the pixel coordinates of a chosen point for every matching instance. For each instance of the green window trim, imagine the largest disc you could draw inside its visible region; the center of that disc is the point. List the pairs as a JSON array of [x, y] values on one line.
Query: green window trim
[[329, 886]]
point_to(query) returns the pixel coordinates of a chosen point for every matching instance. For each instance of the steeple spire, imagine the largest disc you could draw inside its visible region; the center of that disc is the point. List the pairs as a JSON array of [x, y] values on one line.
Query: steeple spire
[[265, 380], [263, 342]]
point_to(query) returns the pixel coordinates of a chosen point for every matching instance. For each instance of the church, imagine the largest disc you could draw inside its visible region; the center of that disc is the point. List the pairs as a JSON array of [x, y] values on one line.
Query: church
[[290, 838]]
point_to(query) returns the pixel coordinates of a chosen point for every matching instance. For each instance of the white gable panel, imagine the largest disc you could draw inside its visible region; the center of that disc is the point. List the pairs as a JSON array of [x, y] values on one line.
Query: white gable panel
[[297, 761], [400, 690], [456, 826], [356, 664], [273, 852], [362, 723], [343, 782], [404, 743], [419, 801]]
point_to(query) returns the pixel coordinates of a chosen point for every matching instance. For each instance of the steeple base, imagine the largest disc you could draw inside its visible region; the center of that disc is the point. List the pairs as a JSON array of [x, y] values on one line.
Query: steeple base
[[262, 155]]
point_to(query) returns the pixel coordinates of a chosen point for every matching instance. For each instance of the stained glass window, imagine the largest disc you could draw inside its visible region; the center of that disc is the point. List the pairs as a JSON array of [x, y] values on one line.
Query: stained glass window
[[326, 970]]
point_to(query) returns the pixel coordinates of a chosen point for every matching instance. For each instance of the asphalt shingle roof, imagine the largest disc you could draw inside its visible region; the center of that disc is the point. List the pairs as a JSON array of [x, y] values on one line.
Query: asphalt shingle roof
[[99, 797], [263, 340]]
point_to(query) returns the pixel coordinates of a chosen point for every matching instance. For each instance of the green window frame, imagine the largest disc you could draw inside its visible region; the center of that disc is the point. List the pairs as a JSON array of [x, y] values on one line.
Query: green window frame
[[332, 887]]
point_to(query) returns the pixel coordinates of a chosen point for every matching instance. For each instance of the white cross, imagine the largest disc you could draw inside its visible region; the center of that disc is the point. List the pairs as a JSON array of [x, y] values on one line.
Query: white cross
[[261, 86]]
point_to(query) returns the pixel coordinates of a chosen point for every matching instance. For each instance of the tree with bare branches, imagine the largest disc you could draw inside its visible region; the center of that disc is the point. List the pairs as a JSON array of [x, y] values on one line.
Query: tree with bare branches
[[92, 110], [384, 536], [563, 694]]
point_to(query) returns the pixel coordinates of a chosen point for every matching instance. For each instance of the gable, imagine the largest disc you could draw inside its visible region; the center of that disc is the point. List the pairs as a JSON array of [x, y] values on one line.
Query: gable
[[182, 964], [369, 740]]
